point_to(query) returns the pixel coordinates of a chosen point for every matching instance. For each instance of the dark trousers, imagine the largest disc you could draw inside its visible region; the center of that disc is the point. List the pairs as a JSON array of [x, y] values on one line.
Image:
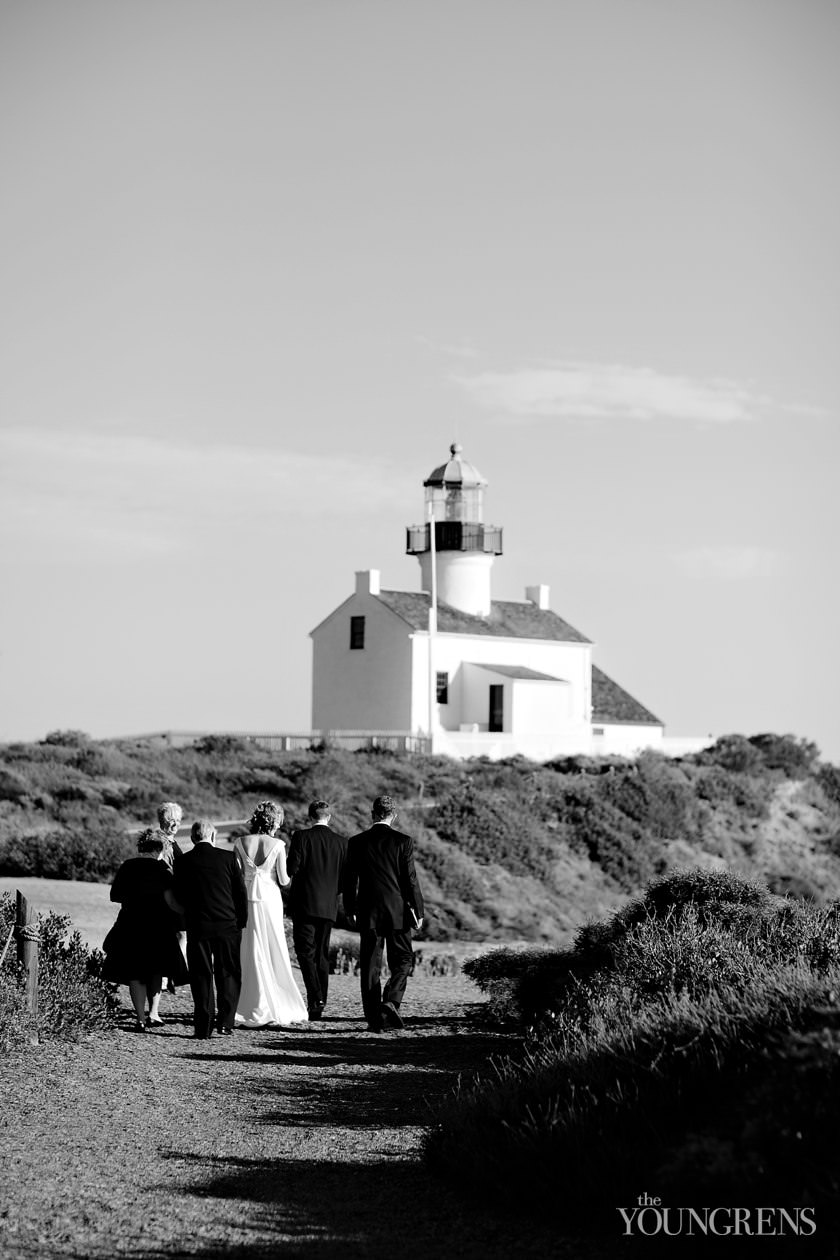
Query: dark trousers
[[312, 946], [397, 946], [214, 960]]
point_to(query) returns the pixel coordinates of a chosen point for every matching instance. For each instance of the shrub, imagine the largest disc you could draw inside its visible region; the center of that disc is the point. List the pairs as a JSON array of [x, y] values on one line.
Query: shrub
[[731, 752], [795, 757], [579, 1124], [58, 855], [657, 1025], [73, 996], [828, 777], [67, 739]]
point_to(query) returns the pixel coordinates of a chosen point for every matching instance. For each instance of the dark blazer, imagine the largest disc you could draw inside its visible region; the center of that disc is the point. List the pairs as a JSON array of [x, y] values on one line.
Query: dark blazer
[[316, 866], [210, 887], [380, 882]]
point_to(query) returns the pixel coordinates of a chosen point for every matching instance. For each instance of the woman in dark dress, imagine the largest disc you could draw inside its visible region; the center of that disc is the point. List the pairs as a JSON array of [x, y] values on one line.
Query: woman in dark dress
[[142, 946]]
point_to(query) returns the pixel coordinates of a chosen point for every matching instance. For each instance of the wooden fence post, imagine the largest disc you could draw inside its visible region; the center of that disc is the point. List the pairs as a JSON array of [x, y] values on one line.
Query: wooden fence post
[[26, 931]]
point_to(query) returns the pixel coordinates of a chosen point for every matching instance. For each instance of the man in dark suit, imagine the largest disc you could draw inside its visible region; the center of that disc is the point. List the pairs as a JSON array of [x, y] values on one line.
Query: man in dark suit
[[210, 887], [316, 865], [382, 896]]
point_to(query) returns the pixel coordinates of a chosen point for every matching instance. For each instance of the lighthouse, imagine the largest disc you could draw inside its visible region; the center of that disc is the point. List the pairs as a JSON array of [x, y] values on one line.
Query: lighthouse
[[454, 671], [463, 547]]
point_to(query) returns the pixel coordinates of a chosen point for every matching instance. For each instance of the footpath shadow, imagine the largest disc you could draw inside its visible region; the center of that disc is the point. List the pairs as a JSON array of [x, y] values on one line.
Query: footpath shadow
[[372, 1197], [375, 1210]]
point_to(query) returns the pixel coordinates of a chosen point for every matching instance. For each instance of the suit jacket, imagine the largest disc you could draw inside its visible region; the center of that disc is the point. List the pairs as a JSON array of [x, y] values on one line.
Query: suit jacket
[[210, 887], [316, 866], [380, 882]]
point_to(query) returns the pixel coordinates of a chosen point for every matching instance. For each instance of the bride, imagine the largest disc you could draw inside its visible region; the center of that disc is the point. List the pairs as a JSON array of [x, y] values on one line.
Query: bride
[[269, 994]]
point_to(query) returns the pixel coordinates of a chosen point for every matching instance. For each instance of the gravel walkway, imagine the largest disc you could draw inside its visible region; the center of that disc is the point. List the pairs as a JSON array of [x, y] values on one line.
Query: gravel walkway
[[293, 1142]]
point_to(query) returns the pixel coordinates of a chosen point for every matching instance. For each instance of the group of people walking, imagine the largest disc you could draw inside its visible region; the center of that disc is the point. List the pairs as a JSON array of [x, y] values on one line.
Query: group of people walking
[[214, 916]]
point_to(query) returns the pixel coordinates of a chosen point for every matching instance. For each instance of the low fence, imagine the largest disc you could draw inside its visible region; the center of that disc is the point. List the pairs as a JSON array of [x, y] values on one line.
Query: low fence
[[294, 741], [24, 931]]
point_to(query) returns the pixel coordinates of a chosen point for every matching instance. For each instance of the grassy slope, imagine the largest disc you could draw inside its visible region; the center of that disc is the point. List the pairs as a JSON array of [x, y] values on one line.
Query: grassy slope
[[513, 851]]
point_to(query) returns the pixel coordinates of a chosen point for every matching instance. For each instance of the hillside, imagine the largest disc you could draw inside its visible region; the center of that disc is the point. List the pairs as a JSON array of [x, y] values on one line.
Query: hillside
[[506, 850]]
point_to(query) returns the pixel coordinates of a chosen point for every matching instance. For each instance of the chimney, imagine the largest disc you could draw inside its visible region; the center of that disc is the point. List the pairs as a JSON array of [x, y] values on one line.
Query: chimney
[[537, 595], [367, 582]]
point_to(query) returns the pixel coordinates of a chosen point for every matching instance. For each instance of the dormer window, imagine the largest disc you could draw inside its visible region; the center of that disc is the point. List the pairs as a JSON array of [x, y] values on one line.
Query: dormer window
[[357, 632]]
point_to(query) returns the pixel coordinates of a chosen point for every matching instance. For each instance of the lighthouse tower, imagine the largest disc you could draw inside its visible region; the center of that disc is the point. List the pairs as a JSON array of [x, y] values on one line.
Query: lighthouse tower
[[464, 547]]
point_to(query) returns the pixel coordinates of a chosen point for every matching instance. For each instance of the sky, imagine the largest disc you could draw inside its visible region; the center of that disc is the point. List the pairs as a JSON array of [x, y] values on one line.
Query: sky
[[261, 261]]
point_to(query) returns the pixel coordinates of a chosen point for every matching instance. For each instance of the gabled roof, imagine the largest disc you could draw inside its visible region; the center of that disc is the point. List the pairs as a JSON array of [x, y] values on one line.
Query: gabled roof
[[612, 704], [516, 671], [508, 619]]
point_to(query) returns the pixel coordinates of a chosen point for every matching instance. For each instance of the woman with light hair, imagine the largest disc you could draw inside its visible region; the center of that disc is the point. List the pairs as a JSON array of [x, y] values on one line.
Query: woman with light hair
[[169, 816], [269, 994]]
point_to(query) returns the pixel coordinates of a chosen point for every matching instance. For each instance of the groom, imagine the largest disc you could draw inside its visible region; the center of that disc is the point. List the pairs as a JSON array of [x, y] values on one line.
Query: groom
[[382, 895], [210, 887]]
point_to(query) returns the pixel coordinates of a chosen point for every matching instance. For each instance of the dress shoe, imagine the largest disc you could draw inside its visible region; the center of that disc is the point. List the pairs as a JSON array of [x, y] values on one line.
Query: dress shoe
[[391, 1016], [316, 1011], [374, 1026], [225, 1032]]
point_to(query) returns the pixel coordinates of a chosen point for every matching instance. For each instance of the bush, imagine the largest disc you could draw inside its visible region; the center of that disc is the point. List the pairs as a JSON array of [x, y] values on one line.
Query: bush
[[73, 996], [731, 752], [67, 739], [828, 777], [795, 757], [657, 1025], [58, 855]]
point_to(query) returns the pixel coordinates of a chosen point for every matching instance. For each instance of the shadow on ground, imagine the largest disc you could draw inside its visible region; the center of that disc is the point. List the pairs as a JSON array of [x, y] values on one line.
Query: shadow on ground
[[374, 1197]]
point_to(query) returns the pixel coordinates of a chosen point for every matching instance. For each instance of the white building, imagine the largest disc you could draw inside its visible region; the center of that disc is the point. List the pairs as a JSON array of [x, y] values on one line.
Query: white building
[[477, 676]]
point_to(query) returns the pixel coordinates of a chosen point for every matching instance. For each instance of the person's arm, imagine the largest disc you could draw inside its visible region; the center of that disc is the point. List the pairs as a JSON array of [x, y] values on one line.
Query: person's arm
[[172, 904], [280, 872], [240, 896], [295, 854], [118, 886], [349, 883], [411, 887]]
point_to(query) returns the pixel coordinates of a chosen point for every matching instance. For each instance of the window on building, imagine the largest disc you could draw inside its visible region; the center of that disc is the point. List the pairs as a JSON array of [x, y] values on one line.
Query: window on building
[[497, 707], [357, 632], [443, 688], [597, 730]]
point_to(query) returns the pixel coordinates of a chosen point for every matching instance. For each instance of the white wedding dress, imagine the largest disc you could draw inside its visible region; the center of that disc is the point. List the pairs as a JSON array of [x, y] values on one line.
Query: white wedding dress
[[269, 994]]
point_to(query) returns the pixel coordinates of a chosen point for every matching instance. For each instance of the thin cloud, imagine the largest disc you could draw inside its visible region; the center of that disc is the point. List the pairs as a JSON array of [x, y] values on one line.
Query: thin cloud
[[581, 390], [730, 563], [83, 494]]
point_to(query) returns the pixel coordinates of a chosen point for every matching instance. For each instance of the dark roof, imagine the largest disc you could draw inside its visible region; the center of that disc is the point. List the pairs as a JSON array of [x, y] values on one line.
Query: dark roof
[[611, 703], [517, 671], [532, 675], [508, 619]]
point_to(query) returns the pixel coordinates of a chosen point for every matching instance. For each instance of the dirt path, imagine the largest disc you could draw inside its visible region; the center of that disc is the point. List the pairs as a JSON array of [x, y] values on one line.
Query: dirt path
[[296, 1142]]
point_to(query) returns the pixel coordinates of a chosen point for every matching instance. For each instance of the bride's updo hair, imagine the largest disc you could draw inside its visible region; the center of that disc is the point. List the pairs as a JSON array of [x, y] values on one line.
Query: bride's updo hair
[[266, 818]]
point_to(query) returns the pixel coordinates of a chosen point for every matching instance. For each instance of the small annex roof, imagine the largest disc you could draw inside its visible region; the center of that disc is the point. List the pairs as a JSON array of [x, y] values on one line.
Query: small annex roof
[[508, 619], [517, 672], [612, 705]]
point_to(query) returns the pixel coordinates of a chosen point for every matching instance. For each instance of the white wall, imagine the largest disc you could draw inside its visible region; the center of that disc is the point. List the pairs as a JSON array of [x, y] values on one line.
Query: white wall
[[367, 688], [496, 746], [625, 740], [469, 688], [540, 708]]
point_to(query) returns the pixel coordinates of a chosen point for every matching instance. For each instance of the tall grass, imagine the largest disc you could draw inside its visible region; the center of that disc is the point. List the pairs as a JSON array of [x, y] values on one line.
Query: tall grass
[[660, 1060]]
